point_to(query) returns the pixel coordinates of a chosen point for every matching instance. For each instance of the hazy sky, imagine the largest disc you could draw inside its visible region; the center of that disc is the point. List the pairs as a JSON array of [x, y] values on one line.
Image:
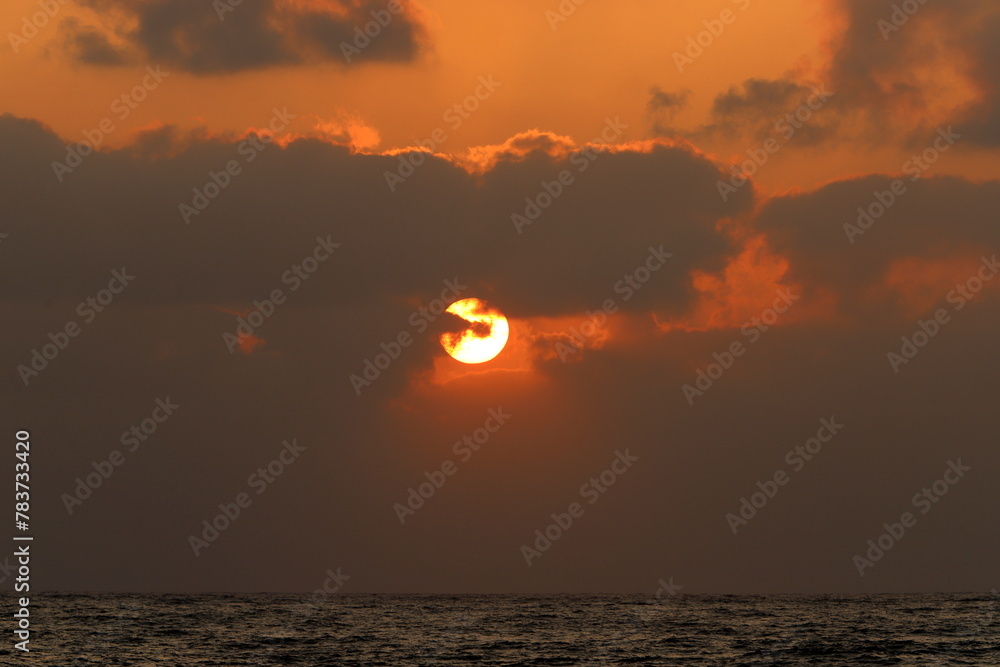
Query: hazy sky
[[747, 252]]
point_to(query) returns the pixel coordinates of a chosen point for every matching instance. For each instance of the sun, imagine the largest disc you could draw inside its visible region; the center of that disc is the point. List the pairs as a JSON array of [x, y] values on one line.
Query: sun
[[485, 336]]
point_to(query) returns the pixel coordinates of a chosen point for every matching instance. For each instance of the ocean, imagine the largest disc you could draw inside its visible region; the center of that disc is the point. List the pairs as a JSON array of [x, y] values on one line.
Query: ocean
[[368, 630]]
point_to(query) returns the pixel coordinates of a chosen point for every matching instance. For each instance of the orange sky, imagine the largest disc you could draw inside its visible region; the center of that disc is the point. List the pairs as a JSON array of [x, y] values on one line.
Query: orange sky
[[563, 80]]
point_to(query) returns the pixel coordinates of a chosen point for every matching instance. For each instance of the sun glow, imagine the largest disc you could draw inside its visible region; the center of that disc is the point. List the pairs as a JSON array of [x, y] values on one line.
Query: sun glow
[[483, 338]]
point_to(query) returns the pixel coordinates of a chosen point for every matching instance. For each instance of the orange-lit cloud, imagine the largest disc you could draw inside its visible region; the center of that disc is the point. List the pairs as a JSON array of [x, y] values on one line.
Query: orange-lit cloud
[[343, 129], [746, 287], [480, 159]]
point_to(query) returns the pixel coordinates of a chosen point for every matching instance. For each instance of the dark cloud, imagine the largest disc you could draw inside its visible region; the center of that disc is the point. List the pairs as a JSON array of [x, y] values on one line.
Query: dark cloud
[[440, 223], [665, 517], [662, 99], [398, 41], [201, 38], [759, 96], [762, 107], [832, 245], [888, 62], [758, 108], [88, 45], [163, 335], [669, 102], [663, 107], [886, 67]]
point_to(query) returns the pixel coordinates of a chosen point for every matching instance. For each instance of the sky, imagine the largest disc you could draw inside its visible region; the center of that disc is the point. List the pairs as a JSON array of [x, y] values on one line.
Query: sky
[[746, 252]]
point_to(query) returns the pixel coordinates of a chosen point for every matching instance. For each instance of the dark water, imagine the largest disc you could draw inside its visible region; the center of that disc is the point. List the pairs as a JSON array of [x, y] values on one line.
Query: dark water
[[369, 630]]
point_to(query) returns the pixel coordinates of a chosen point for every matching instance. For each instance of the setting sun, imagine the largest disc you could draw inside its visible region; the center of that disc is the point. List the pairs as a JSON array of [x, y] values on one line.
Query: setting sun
[[483, 338]]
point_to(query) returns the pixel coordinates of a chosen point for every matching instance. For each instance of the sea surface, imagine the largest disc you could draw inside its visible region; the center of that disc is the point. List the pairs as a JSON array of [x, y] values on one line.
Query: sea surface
[[368, 630]]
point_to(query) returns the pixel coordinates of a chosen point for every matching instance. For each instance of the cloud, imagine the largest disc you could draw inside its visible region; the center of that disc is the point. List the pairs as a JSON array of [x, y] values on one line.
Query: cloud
[[756, 110], [759, 106], [935, 218], [897, 76], [89, 45], [162, 336], [889, 63], [522, 145], [665, 105], [201, 38], [661, 99], [443, 221]]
